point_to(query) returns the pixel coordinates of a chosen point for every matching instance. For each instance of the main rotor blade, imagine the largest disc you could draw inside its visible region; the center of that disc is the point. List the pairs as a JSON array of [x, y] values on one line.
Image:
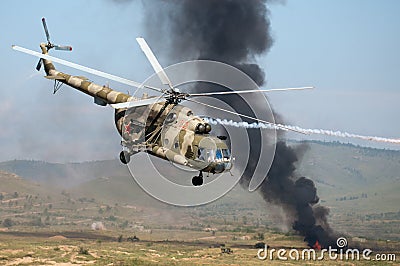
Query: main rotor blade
[[86, 69], [246, 116], [246, 91], [45, 29], [137, 103], [154, 62]]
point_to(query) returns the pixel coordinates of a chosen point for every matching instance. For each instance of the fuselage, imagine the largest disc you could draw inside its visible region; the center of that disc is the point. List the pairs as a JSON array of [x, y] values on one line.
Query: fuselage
[[174, 133], [166, 130]]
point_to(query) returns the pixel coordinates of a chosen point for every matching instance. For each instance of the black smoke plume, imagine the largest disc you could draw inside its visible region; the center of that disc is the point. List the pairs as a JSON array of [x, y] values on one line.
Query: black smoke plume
[[234, 32], [298, 197]]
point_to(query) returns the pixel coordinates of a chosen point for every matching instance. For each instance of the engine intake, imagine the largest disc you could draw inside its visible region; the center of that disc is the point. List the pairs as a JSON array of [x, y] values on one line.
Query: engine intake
[[203, 128]]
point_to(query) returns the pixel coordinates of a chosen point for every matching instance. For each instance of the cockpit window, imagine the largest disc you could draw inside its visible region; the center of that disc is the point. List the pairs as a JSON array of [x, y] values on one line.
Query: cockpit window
[[218, 154], [207, 155], [211, 155], [226, 153]]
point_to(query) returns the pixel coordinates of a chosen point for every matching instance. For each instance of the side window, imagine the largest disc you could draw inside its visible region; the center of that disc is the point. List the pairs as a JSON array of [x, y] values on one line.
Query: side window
[[170, 118]]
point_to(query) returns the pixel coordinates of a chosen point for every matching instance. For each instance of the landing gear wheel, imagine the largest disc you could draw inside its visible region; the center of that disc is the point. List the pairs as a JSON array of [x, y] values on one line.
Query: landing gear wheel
[[197, 181], [124, 157]]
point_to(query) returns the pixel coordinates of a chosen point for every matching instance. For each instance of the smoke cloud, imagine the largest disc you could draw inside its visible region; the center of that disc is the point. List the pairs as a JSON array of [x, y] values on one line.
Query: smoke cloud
[[227, 31], [235, 32]]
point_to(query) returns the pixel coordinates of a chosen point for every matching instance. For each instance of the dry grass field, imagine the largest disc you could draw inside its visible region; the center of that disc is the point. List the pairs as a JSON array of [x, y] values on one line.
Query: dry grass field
[[103, 248], [88, 214]]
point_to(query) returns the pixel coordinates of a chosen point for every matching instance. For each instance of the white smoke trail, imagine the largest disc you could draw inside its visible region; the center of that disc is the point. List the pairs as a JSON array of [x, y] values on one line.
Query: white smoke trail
[[226, 122]]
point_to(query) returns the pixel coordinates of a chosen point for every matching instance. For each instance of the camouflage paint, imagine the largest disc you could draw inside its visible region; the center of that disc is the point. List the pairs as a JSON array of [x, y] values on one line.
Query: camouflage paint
[[147, 128]]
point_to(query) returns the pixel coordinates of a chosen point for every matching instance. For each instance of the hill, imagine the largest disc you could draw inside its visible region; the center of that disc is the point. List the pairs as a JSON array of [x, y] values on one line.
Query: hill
[[359, 185], [64, 175], [12, 184], [347, 167]]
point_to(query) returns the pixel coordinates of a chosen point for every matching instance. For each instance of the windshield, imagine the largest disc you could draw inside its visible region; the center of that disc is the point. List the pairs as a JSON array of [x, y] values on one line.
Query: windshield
[[218, 154], [226, 153], [211, 155], [207, 155]]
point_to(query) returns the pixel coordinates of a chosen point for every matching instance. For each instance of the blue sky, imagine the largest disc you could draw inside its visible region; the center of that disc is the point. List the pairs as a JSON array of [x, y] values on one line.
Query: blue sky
[[348, 50]]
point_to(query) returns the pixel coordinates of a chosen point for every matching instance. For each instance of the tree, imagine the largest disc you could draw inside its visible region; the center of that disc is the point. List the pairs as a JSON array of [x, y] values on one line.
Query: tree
[[8, 223]]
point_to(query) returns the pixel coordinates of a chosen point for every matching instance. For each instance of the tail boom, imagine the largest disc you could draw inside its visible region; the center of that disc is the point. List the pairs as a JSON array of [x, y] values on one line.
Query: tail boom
[[82, 84]]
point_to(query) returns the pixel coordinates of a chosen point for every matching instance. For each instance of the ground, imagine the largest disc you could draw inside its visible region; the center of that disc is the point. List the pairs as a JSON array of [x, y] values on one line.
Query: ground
[[48, 213], [113, 248]]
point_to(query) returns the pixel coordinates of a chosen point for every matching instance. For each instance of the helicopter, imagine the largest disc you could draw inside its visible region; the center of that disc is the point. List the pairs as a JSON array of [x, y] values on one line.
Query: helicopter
[[160, 126]]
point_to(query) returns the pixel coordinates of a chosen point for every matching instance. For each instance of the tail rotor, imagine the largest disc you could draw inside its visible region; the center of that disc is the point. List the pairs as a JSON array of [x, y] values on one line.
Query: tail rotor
[[50, 45]]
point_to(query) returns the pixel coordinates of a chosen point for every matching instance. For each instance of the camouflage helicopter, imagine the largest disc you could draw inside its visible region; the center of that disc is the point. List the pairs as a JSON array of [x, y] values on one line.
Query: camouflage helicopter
[[160, 126]]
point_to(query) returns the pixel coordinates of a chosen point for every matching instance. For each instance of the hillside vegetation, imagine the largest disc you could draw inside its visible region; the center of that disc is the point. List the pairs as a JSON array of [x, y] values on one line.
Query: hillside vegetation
[[359, 185]]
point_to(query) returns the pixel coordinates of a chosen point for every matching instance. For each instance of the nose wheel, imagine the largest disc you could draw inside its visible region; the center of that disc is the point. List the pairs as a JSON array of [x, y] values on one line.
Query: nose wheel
[[198, 180], [125, 157]]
